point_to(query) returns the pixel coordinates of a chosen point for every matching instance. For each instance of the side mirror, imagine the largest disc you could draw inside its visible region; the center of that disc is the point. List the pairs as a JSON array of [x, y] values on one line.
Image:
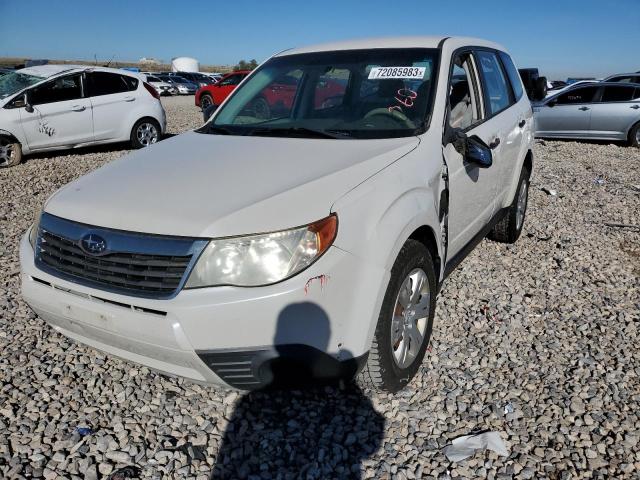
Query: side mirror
[[478, 152], [472, 149], [207, 112], [28, 107], [552, 103]]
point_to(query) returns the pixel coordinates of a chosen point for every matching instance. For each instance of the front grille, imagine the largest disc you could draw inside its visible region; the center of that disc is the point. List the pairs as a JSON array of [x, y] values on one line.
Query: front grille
[[155, 268]]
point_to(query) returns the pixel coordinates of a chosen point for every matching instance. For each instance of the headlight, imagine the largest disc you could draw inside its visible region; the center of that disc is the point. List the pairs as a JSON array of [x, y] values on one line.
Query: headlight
[[33, 233], [255, 260]]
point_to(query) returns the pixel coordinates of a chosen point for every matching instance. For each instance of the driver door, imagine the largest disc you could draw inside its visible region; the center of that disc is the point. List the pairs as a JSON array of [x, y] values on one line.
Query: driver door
[[61, 116], [472, 189]]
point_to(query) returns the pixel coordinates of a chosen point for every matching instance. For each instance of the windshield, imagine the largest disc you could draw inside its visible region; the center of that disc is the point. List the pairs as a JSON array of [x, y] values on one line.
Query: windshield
[[377, 93], [15, 81]]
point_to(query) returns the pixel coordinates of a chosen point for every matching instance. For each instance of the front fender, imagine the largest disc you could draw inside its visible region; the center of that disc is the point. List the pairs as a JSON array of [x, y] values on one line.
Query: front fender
[[377, 218]]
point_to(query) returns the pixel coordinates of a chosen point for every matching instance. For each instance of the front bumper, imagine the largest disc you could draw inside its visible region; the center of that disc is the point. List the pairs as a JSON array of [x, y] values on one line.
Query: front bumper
[[321, 319]]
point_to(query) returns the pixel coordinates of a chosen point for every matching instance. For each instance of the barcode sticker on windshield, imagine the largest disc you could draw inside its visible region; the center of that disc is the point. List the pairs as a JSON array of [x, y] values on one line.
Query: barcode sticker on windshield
[[378, 73]]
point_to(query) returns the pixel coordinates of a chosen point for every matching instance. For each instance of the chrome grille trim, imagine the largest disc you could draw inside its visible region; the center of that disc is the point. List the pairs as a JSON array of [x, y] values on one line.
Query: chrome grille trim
[[134, 264]]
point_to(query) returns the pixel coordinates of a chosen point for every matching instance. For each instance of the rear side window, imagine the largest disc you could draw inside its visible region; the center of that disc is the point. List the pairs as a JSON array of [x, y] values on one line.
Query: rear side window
[[232, 80], [514, 77], [579, 95], [58, 90], [618, 94], [106, 83], [626, 79], [496, 89]]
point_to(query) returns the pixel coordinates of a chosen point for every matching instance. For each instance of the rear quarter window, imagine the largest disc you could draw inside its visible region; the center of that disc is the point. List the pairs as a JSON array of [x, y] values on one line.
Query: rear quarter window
[[514, 77]]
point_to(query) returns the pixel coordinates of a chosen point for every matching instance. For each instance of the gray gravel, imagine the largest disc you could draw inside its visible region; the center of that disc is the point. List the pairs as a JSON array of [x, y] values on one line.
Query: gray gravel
[[545, 330]]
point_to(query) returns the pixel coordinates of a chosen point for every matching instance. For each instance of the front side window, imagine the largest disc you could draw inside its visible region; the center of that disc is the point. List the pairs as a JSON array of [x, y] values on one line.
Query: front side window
[[59, 90], [106, 83], [378, 93], [618, 94], [496, 88], [578, 95], [464, 105]]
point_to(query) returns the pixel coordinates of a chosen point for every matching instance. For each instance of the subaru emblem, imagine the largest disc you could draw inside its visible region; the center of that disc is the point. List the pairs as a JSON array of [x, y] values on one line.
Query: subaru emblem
[[93, 244]]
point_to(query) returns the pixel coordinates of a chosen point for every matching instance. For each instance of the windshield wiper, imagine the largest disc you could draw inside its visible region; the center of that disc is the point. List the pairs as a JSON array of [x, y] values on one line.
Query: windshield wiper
[[215, 129], [296, 131]]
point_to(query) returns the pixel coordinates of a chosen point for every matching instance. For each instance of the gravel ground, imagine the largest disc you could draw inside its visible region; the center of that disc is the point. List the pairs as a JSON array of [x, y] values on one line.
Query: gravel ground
[[537, 341]]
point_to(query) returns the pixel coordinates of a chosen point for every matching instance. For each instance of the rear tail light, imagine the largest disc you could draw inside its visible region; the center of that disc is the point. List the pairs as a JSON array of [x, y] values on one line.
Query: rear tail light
[[151, 90]]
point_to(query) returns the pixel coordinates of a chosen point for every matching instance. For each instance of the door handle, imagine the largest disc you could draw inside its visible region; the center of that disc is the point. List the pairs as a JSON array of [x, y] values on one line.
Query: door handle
[[522, 123], [129, 99], [635, 107], [494, 144], [584, 109], [78, 108]]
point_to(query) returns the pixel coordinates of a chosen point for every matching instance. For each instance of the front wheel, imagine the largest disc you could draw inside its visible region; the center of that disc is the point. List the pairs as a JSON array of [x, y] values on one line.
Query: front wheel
[[144, 133], [405, 321], [10, 152], [508, 229]]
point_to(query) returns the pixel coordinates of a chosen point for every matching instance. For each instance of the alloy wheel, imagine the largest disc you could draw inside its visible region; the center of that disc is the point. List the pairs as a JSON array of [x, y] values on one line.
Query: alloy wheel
[[521, 206], [7, 152], [147, 134], [409, 322]]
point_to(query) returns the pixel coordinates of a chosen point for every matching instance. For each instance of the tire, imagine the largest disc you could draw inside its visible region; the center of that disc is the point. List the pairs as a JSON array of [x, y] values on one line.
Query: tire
[[10, 152], [383, 370], [261, 109], [540, 88], [205, 101], [144, 133], [508, 229], [634, 136]]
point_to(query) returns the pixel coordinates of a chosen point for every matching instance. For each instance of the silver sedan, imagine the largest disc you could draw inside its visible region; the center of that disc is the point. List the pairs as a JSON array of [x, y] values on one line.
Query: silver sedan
[[597, 111]]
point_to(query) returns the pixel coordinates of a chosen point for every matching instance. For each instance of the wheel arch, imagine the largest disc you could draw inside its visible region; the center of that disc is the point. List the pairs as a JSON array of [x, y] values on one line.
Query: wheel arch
[[11, 136], [426, 236], [630, 131]]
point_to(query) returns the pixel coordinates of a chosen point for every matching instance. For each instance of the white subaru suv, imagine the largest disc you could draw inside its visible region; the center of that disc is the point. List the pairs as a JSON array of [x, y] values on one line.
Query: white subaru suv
[[306, 240], [53, 107]]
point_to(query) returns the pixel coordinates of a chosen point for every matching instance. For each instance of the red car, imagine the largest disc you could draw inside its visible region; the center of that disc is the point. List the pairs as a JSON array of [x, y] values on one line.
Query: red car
[[276, 98], [216, 93]]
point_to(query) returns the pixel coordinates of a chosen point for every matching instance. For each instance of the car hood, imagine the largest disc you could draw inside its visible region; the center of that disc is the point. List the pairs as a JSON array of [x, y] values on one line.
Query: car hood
[[202, 185]]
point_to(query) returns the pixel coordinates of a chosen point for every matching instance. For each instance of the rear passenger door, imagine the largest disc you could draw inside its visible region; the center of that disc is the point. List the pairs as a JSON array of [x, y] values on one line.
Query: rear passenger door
[[112, 97], [510, 116], [615, 111], [472, 189]]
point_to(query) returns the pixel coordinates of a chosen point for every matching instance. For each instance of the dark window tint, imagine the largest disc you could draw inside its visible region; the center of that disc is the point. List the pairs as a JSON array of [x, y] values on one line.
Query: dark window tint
[[58, 90], [514, 77], [625, 79], [579, 95], [232, 80], [105, 83], [496, 89], [618, 94]]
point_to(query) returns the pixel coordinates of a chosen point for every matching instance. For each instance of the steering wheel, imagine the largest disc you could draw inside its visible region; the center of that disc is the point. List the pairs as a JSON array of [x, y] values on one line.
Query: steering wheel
[[394, 114]]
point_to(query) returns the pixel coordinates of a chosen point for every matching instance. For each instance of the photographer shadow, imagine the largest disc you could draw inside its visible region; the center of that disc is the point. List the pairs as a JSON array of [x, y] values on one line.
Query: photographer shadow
[[307, 421]]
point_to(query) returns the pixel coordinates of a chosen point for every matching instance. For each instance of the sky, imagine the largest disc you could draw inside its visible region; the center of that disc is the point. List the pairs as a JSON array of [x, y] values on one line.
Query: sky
[[562, 38]]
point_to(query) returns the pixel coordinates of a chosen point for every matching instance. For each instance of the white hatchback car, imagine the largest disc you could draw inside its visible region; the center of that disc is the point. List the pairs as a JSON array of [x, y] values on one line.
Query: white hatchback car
[[53, 107], [304, 241]]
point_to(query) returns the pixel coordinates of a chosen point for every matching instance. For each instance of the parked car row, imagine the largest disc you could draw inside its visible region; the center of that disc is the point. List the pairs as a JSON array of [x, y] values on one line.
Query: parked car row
[[53, 107]]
